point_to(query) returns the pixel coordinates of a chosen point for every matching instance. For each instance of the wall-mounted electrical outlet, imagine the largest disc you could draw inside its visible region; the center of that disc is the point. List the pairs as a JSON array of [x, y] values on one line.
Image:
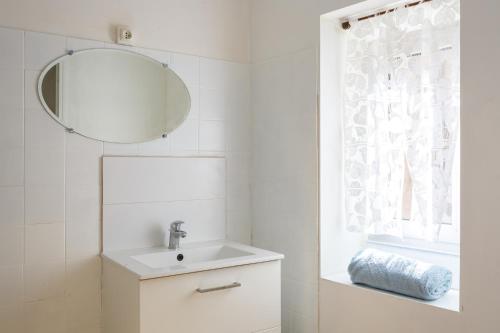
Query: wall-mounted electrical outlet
[[124, 36]]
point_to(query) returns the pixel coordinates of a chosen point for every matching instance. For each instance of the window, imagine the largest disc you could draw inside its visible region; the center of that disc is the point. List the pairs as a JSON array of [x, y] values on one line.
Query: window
[[400, 119], [389, 133]]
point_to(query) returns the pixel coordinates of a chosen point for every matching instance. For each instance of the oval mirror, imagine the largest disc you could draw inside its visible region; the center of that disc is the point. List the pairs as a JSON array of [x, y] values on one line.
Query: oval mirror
[[114, 95]]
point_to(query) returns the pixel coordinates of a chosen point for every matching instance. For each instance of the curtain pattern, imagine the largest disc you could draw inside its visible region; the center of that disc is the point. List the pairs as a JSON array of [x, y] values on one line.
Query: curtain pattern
[[401, 114]]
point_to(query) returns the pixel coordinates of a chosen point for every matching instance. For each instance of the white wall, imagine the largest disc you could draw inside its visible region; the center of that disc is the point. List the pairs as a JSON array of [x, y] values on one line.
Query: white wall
[[284, 169], [210, 28], [50, 180], [281, 32], [143, 195]]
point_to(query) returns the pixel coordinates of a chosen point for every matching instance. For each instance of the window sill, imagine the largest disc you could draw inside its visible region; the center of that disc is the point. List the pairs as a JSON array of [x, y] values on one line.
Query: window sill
[[450, 301]]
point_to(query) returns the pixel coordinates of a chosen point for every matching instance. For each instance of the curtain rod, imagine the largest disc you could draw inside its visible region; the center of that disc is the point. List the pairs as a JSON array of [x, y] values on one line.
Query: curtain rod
[[346, 25]]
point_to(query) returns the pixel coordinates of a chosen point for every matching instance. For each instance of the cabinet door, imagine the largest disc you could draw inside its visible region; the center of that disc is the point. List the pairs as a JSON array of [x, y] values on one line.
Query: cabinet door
[[191, 303]]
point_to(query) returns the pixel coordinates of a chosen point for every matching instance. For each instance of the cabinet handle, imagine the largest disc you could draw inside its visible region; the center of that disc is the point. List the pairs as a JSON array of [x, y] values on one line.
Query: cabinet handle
[[228, 286]]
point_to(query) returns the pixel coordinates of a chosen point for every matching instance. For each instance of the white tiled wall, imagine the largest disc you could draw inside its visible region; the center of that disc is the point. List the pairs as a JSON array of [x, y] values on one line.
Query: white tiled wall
[[50, 180], [284, 168], [284, 179], [143, 195]]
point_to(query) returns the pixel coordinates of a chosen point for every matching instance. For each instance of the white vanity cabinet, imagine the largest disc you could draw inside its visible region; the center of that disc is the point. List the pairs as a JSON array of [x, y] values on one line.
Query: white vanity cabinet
[[193, 302]]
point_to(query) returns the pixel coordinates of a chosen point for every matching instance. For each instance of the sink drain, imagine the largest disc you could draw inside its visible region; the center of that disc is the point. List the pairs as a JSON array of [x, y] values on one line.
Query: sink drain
[[180, 257]]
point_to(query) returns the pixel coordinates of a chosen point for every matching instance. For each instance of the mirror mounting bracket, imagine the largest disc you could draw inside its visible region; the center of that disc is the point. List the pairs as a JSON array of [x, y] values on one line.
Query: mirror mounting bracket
[[165, 65], [164, 135], [70, 130], [70, 52]]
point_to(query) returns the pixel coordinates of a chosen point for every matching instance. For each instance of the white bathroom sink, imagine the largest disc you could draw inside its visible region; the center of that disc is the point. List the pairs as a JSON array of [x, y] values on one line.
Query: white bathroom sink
[[193, 257], [189, 256]]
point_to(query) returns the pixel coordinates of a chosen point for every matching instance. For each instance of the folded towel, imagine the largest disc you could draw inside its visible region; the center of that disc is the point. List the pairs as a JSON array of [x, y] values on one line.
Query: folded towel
[[399, 274]]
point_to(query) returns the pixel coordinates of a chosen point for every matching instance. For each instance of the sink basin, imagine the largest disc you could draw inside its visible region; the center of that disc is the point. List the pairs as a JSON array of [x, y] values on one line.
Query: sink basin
[[189, 256], [154, 262]]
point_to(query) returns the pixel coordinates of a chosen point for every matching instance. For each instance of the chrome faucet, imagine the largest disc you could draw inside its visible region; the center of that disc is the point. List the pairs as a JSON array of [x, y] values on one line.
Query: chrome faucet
[[175, 235]]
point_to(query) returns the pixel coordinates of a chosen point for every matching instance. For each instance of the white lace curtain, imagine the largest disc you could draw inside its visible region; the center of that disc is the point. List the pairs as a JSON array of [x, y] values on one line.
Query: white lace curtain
[[401, 119]]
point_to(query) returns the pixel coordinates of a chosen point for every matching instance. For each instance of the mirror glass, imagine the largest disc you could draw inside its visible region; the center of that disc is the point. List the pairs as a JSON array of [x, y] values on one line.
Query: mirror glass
[[114, 95]]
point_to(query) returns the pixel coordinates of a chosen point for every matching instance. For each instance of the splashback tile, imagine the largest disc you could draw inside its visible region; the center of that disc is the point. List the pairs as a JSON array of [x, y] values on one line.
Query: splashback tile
[[162, 179], [142, 196]]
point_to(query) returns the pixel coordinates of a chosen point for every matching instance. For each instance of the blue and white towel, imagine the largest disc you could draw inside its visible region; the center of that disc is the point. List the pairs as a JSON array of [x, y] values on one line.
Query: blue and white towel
[[399, 274]]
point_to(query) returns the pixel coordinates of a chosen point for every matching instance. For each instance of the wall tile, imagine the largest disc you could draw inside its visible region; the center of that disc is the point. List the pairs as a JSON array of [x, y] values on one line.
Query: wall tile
[[158, 147], [238, 196], [12, 167], [40, 49], [285, 319], [47, 316], [239, 226], [87, 328], [83, 163], [187, 67], [42, 131], [237, 118], [82, 196], [185, 137], [44, 156], [77, 44], [302, 297], [146, 224], [237, 136], [212, 136], [11, 127], [44, 204], [11, 87], [11, 53], [31, 99], [284, 201], [83, 301], [194, 93], [83, 277], [44, 243], [162, 179], [83, 312], [83, 226], [212, 105], [213, 74], [138, 214], [237, 166], [238, 77], [300, 323], [160, 56], [45, 165], [11, 287], [12, 124], [120, 149], [238, 205], [44, 280], [11, 244], [12, 205], [12, 319]]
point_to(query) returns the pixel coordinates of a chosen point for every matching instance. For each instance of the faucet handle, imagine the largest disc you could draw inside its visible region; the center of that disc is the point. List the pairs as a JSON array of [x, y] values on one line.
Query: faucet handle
[[176, 225]]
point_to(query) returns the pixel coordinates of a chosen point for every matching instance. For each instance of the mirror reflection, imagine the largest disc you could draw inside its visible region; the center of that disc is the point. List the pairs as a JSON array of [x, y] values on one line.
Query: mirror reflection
[[114, 95]]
